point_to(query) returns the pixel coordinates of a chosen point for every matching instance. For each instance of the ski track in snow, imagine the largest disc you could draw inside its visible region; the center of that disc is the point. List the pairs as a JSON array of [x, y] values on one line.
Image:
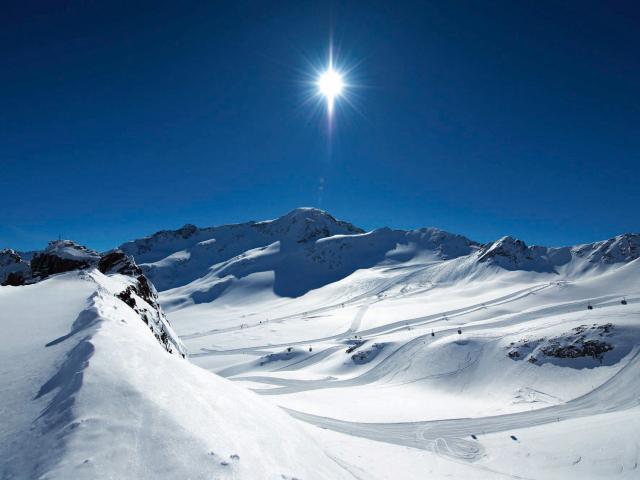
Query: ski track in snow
[[384, 329], [620, 392]]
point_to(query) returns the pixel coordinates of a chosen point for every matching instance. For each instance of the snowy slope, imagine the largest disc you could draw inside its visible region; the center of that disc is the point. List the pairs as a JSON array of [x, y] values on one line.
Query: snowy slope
[[391, 354], [89, 392], [428, 340], [390, 366]]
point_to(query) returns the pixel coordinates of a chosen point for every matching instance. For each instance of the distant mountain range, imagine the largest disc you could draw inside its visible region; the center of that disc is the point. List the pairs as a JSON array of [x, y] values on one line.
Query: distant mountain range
[[308, 248]]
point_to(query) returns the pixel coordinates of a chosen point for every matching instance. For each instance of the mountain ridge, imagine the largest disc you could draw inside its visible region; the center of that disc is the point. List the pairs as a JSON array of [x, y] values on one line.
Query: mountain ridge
[[307, 248]]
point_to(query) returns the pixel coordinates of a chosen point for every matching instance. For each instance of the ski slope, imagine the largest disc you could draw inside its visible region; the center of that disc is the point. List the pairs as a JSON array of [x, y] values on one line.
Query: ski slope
[[315, 350], [415, 381]]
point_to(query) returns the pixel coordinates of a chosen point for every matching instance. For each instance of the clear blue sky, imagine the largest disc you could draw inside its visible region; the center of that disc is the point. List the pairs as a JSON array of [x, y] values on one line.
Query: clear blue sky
[[483, 118]]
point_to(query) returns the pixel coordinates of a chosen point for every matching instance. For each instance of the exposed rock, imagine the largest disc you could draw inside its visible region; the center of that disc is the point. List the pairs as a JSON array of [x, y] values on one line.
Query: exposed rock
[[354, 345], [142, 297], [589, 348], [15, 279], [581, 341], [116, 261], [62, 256], [127, 296], [187, 230], [13, 269], [368, 354]]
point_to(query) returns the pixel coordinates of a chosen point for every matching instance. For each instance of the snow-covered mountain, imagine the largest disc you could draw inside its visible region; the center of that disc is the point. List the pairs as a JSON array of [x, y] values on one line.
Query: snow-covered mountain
[[172, 258], [308, 249], [512, 254], [391, 354]]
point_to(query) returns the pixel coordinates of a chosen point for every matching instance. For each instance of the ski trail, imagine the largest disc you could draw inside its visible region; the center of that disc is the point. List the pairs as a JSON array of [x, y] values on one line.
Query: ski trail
[[619, 392], [388, 328]]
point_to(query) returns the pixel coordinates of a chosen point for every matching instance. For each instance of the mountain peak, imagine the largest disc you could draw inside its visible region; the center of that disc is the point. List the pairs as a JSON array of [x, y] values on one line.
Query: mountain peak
[[304, 224], [313, 214], [621, 248]]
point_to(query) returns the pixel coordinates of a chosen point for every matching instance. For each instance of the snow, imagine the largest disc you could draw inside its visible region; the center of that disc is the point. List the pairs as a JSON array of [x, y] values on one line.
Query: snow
[[88, 392], [67, 249], [317, 350], [412, 381]]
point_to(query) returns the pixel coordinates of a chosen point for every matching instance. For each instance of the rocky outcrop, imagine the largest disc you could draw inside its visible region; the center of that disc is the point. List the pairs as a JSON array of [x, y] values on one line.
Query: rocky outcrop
[[116, 261], [62, 256], [583, 341], [13, 269], [141, 296]]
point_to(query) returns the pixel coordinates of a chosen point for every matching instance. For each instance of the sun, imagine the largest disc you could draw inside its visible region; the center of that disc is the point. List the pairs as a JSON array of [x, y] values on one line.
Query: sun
[[330, 85]]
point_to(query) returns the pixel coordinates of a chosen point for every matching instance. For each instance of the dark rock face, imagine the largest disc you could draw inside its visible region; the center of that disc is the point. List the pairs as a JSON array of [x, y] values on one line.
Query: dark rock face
[[151, 313], [44, 265], [116, 261], [140, 296], [187, 230], [13, 270], [127, 297], [62, 256], [589, 348], [14, 279], [146, 291], [581, 341]]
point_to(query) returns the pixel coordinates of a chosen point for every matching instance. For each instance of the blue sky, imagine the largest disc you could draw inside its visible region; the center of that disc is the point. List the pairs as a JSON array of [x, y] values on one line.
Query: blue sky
[[482, 118]]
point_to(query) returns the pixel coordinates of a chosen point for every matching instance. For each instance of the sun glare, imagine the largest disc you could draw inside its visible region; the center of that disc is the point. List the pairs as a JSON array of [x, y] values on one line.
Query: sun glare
[[330, 85]]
